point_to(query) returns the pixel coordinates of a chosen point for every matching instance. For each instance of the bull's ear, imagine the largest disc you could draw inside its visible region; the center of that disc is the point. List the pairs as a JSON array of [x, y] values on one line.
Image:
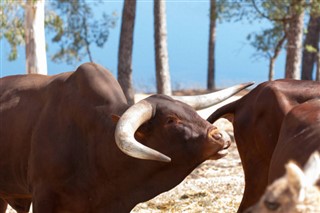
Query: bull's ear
[[115, 118], [229, 117], [139, 135]]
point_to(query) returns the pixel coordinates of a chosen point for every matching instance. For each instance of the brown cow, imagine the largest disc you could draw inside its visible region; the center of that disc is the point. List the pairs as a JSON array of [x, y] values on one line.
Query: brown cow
[[59, 147], [299, 137], [257, 119]]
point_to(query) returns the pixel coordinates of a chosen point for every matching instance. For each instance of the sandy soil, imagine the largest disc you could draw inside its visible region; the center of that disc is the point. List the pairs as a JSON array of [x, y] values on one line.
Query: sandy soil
[[215, 186]]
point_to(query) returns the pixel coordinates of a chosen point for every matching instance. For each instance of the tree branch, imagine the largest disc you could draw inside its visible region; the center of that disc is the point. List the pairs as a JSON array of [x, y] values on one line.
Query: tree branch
[[279, 45], [284, 19]]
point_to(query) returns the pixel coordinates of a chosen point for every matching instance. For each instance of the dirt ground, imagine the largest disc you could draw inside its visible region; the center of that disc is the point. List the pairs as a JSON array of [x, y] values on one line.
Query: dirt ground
[[215, 186]]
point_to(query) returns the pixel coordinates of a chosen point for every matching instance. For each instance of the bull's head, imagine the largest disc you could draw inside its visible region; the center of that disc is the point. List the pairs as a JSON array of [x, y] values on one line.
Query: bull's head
[[175, 121]]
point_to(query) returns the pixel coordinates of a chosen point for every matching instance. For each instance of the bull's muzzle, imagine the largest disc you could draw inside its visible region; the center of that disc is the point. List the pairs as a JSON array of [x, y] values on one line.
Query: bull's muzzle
[[223, 139]]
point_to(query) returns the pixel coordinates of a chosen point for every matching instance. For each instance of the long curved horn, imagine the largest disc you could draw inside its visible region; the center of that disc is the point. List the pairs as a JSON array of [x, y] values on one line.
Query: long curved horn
[[127, 125], [204, 101]]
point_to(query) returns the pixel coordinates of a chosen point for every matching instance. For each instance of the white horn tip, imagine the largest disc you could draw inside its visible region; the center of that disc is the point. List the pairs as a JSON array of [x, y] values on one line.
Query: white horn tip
[[247, 84], [164, 158]]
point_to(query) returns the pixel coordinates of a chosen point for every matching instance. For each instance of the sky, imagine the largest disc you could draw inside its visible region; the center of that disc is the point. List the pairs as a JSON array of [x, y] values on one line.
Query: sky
[[187, 34]]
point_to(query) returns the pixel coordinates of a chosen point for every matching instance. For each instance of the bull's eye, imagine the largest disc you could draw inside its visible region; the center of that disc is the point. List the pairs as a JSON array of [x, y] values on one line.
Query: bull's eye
[[272, 206], [170, 120]]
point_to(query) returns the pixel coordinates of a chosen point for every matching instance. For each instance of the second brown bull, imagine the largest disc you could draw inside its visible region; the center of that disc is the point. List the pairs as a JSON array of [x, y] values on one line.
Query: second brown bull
[[257, 118]]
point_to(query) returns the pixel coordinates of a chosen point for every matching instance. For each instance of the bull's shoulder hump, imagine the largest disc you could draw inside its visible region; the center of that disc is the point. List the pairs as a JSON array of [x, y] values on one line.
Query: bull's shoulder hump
[[94, 81], [91, 74], [90, 71]]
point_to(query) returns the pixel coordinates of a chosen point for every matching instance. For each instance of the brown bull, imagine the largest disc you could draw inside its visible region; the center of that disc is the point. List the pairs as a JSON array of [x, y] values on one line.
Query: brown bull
[[65, 142], [299, 138], [257, 118]]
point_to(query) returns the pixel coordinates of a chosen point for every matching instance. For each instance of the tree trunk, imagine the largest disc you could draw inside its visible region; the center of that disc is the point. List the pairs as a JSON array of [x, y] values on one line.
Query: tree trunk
[[294, 36], [309, 58], [212, 39], [161, 49], [36, 61], [125, 49], [271, 68], [318, 67]]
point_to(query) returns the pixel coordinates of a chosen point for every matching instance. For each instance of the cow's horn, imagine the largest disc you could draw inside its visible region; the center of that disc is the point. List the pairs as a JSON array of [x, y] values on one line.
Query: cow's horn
[[204, 101], [127, 125]]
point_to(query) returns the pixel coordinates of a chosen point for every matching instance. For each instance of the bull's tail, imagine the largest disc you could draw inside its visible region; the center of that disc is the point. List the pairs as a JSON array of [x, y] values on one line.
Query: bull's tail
[[227, 111]]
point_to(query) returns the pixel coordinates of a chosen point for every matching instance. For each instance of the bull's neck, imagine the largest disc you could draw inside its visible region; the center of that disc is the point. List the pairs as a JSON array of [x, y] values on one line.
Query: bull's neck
[[134, 181]]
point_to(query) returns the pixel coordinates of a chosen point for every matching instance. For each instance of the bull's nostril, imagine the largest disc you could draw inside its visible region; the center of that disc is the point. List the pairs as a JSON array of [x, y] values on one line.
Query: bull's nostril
[[217, 136]]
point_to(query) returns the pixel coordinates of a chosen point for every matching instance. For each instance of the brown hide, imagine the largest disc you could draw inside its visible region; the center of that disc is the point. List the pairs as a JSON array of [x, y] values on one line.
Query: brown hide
[[57, 146], [299, 137], [257, 119]]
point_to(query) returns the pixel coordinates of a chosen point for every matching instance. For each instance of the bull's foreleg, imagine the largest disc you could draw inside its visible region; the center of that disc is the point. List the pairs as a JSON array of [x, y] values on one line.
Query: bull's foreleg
[[255, 186], [3, 206], [43, 200]]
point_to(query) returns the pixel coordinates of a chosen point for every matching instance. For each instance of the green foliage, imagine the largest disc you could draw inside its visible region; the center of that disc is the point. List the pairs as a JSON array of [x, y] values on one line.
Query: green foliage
[[72, 24], [75, 29], [12, 26], [227, 10], [274, 9], [311, 49], [314, 7], [266, 41], [278, 13]]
